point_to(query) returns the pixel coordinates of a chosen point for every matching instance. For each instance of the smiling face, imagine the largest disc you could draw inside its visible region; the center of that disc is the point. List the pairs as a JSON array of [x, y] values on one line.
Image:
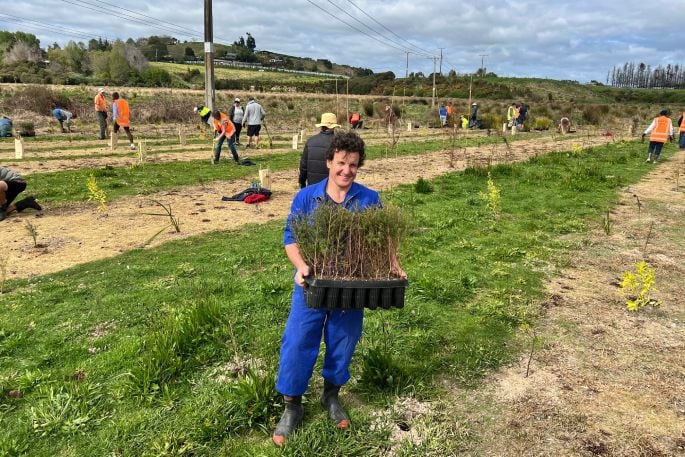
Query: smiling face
[[342, 169]]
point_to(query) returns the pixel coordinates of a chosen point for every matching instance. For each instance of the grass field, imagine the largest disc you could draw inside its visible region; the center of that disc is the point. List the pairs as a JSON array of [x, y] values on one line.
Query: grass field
[[173, 350], [249, 75]]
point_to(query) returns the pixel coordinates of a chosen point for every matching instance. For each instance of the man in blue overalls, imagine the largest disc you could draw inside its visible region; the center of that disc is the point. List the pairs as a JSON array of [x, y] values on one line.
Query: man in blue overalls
[[341, 329]]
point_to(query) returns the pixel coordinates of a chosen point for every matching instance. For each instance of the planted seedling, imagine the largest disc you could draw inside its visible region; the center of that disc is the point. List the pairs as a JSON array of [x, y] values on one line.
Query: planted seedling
[[607, 223], [493, 198], [173, 221], [32, 230], [96, 194]]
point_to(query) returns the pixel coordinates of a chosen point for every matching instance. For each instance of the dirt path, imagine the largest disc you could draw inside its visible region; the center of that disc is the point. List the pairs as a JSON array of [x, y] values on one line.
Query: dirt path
[[607, 381], [65, 155], [79, 233]]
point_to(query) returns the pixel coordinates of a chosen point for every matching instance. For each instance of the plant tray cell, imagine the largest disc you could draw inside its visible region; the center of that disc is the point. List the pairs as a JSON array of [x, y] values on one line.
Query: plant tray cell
[[355, 294]]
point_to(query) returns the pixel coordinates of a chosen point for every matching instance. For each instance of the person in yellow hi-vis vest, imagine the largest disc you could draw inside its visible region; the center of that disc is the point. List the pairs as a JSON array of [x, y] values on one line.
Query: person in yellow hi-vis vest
[[661, 129], [122, 116]]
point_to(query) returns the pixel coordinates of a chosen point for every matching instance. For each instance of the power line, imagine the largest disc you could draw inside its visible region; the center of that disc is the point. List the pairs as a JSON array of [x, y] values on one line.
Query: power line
[[143, 19], [114, 12], [45, 26], [367, 26], [423, 51], [149, 17], [353, 27]]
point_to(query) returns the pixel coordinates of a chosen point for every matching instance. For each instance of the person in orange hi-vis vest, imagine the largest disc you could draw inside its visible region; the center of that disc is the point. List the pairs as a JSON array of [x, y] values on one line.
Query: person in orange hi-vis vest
[[101, 112], [122, 116], [661, 129], [226, 131], [681, 126]]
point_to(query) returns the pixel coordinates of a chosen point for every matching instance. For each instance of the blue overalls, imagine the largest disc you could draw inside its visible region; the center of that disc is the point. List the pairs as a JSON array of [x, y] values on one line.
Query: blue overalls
[[341, 329]]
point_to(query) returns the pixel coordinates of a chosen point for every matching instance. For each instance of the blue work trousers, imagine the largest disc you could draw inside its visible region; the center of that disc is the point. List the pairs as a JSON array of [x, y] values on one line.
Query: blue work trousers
[[682, 140], [341, 331], [231, 145]]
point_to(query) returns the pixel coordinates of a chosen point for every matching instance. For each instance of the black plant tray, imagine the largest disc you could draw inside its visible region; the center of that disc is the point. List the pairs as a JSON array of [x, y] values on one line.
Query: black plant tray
[[355, 293]]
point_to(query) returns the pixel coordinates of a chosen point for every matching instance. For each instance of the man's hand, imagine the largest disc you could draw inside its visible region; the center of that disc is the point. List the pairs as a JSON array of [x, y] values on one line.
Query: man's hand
[[643, 138], [301, 273]]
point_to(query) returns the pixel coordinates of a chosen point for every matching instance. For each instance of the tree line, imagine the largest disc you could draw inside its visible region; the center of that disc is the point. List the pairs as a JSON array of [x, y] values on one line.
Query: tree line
[[646, 77]]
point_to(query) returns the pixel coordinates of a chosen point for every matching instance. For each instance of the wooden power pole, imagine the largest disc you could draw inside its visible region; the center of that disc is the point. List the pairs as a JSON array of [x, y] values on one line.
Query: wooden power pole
[[209, 56], [433, 99]]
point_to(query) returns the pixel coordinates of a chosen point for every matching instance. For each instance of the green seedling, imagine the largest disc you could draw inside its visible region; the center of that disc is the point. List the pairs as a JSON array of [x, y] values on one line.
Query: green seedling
[[608, 224], [33, 233]]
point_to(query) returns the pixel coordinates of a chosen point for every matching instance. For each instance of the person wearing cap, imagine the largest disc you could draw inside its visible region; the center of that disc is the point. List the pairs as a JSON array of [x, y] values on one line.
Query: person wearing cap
[[473, 120], [236, 114], [253, 118], [660, 130], [11, 185], [101, 112], [313, 161], [205, 114], [226, 130], [443, 115]]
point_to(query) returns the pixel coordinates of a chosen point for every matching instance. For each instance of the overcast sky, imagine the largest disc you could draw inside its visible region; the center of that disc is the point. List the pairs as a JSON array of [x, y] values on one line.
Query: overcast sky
[[578, 40]]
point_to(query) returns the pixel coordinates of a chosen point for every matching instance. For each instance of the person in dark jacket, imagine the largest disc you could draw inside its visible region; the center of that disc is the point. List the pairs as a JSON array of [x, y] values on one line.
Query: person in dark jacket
[[313, 162], [11, 185]]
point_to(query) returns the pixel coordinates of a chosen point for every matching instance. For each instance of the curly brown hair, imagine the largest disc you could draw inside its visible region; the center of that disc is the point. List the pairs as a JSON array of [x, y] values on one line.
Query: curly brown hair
[[347, 142]]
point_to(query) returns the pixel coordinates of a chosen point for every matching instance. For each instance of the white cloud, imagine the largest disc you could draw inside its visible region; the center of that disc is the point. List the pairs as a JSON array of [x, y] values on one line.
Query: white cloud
[[521, 38]]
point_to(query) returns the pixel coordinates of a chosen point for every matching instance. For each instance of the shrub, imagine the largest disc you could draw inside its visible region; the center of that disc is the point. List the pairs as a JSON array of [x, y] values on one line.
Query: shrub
[[542, 123], [490, 120], [155, 77], [38, 99], [192, 75], [592, 114], [423, 186], [367, 105]]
